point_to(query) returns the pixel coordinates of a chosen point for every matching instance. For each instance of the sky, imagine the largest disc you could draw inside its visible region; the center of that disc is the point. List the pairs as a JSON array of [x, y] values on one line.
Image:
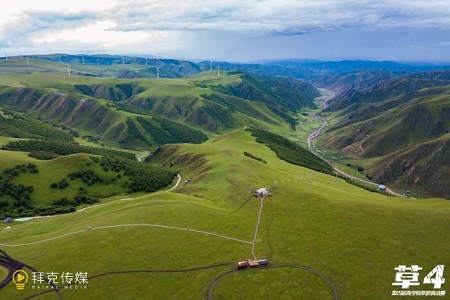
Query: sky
[[231, 30]]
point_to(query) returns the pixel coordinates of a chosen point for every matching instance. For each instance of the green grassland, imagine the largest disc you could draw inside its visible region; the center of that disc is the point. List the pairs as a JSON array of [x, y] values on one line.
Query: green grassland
[[32, 187], [98, 109], [3, 273], [353, 237], [57, 169], [97, 106]]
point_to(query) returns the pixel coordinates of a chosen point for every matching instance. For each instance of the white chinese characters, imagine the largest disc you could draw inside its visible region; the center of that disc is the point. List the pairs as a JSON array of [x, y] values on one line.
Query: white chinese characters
[[55, 278], [409, 276]]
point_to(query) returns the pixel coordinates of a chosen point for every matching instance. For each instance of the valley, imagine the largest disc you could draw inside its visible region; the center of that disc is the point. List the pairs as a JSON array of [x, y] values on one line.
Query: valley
[[147, 185]]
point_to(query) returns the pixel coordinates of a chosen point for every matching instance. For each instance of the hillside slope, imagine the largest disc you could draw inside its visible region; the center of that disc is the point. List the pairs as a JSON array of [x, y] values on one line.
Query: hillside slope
[[142, 113], [208, 224], [401, 133]]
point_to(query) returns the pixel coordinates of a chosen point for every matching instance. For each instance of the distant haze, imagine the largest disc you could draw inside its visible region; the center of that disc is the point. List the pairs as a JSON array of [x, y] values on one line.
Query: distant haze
[[244, 30]]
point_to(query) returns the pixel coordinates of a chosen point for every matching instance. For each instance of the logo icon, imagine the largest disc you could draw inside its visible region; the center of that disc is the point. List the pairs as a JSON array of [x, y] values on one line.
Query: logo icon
[[20, 278]]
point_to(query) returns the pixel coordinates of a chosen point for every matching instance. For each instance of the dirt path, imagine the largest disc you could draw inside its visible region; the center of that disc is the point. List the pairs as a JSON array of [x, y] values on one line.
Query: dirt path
[[213, 283], [127, 225], [178, 182], [257, 227]]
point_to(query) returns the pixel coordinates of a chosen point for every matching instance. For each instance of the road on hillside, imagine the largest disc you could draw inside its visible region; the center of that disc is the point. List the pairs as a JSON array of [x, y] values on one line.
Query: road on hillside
[[311, 137], [178, 182]]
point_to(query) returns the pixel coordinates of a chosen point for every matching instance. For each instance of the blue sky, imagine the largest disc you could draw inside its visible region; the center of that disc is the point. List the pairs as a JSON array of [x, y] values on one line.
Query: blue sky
[[244, 30]]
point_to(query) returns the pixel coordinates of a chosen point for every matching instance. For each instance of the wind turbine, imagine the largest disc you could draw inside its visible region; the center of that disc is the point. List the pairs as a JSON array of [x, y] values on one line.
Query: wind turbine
[[28, 61], [59, 58], [83, 60], [146, 61], [6, 56], [123, 61], [98, 64], [68, 68], [211, 65]]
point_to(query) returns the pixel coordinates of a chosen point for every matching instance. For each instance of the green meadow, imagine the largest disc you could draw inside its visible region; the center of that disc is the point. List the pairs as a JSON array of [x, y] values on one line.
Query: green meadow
[[3, 273], [353, 237], [57, 169]]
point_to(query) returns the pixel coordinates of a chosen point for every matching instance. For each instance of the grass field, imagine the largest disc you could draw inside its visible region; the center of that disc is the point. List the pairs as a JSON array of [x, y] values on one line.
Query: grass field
[[3, 273], [58, 169], [353, 237]]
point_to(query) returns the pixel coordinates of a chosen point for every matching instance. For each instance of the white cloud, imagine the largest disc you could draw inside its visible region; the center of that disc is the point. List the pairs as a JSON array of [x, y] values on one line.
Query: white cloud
[[134, 24]]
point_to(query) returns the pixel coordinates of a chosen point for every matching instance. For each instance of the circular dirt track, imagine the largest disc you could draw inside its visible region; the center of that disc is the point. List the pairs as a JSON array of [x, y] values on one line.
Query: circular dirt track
[[271, 286]]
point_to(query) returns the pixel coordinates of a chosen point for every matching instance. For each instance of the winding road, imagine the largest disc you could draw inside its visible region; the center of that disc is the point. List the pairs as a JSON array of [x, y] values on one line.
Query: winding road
[[312, 136], [178, 182], [213, 283]]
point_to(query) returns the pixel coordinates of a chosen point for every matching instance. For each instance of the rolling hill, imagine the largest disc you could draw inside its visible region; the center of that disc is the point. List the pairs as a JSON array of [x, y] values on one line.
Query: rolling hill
[[69, 143], [141, 113], [398, 131], [177, 244]]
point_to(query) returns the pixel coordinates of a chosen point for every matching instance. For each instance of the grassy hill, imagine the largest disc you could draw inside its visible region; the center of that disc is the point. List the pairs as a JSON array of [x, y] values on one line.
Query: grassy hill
[[142, 241], [311, 219], [29, 186], [398, 134], [108, 111], [403, 88]]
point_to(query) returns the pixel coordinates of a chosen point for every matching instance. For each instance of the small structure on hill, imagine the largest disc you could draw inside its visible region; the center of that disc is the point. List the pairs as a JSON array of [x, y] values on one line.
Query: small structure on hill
[[382, 188], [262, 192], [7, 220]]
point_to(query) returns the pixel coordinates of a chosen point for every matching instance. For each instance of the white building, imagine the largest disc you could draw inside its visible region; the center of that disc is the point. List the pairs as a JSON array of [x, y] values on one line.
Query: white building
[[262, 192]]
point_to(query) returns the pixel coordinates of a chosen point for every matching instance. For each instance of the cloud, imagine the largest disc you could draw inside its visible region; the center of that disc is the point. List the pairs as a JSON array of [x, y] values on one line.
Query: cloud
[[167, 25], [283, 17], [277, 16]]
